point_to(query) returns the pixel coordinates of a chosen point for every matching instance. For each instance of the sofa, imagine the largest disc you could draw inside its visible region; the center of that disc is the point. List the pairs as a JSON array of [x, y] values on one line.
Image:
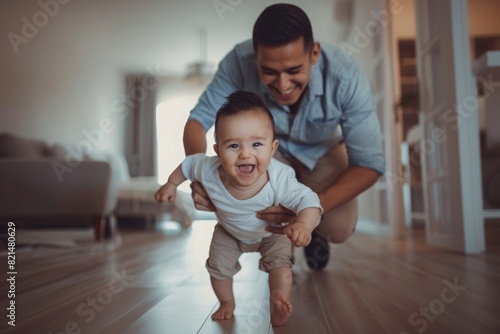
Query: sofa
[[40, 182]]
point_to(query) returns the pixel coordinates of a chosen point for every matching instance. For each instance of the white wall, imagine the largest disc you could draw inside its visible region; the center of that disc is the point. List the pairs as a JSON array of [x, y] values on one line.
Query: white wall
[[483, 19], [359, 43], [404, 22], [68, 77]]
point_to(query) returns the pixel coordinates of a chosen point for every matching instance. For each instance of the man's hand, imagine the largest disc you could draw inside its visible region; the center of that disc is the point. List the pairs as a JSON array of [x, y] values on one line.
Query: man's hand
[[200, 198], [298, 230], [277, 214]]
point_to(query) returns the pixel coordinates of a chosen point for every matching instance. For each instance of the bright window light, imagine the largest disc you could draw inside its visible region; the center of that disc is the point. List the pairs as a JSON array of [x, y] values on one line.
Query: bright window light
[[171, 116]]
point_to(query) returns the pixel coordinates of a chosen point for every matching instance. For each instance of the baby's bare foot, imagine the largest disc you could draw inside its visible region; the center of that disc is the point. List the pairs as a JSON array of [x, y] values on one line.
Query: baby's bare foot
[[282, 309], [225, 311]]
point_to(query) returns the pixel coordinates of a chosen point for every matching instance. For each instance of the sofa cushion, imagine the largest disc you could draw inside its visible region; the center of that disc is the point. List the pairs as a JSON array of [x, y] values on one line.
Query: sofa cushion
[[16, 147], [57, 152], [12, 146]]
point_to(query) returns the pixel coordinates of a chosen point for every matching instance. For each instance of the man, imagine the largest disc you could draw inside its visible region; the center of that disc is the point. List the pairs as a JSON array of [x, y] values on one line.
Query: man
[[324, 116]]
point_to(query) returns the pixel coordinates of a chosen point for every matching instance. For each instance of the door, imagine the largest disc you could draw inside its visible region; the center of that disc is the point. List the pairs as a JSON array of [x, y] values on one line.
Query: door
[[389, 188], [450, 131]]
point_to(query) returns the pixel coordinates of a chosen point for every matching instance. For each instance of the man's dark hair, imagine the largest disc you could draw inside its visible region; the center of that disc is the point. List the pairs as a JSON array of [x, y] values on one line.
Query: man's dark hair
[[282, 24], [240, 102]]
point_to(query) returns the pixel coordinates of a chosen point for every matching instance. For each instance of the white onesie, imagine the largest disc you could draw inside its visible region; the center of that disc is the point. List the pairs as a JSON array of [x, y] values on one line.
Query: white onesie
[[238, 216]]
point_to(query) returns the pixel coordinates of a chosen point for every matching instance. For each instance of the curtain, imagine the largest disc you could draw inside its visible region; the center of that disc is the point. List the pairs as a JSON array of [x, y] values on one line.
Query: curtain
[[140, 134]]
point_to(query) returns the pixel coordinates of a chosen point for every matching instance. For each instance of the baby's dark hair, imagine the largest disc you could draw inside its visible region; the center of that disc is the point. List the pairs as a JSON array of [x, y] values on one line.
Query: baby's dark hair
[[240, 102], [282, 24]]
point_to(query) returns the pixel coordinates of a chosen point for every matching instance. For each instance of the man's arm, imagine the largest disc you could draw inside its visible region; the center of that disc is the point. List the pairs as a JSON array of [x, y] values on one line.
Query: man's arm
[[351, 183], [195, 142], [194, 138], [228, 78]]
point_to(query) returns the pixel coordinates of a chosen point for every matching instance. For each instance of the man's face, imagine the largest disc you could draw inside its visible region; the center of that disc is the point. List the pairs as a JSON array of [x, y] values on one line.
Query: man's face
[[286, 70]]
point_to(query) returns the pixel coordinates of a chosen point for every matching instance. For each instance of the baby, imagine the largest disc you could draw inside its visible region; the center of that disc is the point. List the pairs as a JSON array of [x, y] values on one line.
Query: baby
[[241, 180]]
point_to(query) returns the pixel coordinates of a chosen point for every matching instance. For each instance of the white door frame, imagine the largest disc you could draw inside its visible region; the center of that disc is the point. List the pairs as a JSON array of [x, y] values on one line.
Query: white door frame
[[389, 188], [451, 173]]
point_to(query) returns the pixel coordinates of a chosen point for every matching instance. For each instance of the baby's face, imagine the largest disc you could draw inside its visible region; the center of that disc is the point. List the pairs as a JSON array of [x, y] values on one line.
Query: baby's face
[[245, 146]]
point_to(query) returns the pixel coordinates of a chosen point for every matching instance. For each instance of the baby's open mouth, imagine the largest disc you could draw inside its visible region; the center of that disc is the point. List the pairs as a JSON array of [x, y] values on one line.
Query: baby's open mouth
[[247, 169]]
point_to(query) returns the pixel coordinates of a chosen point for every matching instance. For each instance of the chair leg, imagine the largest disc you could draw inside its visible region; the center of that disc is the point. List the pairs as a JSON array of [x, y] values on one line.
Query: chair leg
[[99, 223], [110, 227], [150, 222]]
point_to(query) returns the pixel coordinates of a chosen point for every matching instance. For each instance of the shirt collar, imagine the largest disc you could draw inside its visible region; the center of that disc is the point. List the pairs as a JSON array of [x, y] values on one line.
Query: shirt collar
[[315, 82]]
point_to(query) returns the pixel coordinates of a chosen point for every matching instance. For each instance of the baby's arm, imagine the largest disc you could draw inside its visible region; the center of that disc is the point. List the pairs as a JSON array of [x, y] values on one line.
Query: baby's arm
[[168, 190], [300, 232]]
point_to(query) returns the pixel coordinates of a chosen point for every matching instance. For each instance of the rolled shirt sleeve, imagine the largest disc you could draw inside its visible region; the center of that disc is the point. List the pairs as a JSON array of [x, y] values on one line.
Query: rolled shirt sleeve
[[359, 123]]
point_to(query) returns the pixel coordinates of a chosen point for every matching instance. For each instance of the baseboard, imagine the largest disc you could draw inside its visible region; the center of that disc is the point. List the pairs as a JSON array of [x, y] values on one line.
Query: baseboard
[[367, 226]]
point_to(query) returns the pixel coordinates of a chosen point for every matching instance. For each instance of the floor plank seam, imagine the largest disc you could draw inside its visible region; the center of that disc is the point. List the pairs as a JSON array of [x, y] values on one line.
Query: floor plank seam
[[321, 303], [208, 317]]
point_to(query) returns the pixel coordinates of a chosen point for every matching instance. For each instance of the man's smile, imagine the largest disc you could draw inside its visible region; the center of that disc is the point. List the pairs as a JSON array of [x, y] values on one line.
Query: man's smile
[[284, 94]]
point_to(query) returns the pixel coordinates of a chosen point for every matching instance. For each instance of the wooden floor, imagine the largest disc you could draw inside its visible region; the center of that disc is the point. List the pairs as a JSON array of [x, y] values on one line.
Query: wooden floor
[[156, 282]]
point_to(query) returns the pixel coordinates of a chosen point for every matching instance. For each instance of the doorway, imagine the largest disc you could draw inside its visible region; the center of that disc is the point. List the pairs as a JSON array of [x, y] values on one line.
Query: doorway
[[484, 32]]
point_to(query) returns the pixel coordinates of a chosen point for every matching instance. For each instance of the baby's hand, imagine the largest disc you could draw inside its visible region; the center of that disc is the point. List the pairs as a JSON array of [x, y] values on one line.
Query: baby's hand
[[299, 233], [166, 193]]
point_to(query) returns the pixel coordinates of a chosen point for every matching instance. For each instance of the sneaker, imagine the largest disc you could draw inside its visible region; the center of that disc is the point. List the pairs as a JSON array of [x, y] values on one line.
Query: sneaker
[[317, 252]]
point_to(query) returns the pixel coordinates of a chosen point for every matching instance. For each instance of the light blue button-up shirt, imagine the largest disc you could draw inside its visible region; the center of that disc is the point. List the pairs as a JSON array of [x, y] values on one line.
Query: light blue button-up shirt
[[337, 104]]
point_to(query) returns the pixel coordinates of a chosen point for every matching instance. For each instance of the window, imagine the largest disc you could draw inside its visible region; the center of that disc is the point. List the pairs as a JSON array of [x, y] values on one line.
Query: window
[[171, 116]]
